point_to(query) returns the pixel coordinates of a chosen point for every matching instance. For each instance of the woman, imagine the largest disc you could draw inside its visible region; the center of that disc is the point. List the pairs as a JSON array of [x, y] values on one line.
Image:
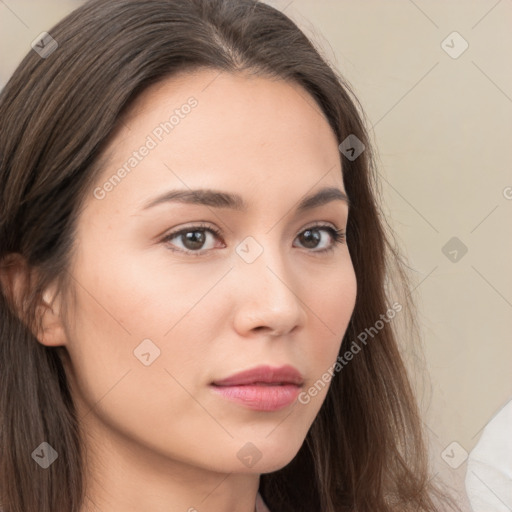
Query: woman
[[194, 307]]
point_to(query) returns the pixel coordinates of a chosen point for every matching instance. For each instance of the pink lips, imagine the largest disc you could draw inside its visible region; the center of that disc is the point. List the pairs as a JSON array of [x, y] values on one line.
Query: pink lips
[[263, 388]]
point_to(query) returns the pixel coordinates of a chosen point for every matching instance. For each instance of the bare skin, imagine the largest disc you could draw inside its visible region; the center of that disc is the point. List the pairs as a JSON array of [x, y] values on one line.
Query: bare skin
[[158, 437]]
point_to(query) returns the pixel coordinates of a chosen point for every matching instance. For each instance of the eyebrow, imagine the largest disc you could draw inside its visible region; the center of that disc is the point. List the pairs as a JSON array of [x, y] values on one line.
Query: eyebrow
[[219, 199]]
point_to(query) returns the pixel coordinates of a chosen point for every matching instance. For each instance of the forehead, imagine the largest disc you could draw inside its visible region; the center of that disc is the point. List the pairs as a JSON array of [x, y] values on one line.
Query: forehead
[[207, 128]]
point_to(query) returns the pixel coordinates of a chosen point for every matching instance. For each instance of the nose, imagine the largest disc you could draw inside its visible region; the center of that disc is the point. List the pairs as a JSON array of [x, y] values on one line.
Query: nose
[[266, 299]]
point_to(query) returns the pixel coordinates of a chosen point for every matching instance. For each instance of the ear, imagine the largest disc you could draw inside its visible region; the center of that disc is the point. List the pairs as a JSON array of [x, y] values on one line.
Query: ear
[[16, 279]]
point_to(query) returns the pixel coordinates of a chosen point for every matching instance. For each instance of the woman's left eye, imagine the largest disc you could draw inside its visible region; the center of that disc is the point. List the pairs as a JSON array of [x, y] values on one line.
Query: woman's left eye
[[194, 238], [311, 236]]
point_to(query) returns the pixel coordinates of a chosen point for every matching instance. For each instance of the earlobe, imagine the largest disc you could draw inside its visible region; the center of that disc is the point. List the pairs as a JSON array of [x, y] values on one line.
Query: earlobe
[[51, 332]]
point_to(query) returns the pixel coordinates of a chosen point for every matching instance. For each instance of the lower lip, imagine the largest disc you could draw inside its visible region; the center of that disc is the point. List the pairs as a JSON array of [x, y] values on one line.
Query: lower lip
[[260, 397]]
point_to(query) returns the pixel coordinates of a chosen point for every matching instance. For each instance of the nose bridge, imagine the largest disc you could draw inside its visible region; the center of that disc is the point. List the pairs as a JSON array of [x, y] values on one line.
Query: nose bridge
[[267, 293], [263, 260]]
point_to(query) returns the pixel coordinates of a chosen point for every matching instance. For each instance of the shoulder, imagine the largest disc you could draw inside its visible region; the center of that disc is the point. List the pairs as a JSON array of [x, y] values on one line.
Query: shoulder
[[489, 467], [495, 443]]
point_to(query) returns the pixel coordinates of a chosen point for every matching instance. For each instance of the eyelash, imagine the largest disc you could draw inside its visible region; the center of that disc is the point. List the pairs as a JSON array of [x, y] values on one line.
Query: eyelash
[[338, 235]]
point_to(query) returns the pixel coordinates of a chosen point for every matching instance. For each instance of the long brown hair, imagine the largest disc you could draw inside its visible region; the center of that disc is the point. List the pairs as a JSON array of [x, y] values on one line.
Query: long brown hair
[[365, 450]]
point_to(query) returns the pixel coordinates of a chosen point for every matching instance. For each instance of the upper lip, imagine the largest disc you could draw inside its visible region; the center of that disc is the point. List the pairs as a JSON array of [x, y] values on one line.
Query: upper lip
[[264, 374]]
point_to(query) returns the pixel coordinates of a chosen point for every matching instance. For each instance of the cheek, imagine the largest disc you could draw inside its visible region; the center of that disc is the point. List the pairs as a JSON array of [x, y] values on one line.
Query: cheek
[[138, 341], [127, 315], [331, 309], [131, 377]]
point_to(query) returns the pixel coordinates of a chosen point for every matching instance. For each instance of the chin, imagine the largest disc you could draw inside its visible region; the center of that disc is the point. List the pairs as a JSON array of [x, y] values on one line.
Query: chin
[[268, 453]]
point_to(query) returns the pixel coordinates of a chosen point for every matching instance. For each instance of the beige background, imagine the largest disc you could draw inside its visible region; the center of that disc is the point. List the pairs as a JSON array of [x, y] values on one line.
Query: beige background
[[443, 127]]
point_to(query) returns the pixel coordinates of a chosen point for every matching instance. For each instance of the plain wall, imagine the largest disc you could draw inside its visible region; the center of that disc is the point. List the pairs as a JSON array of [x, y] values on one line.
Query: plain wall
[[443, 129]]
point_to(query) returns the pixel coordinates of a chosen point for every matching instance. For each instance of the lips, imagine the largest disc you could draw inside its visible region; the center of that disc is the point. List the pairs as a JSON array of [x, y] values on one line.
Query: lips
[[264, 388], [264, 375]]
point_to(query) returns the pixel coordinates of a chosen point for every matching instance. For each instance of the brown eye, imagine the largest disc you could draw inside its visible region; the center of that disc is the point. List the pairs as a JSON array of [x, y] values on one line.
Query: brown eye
[[192, 240], [311, 237]]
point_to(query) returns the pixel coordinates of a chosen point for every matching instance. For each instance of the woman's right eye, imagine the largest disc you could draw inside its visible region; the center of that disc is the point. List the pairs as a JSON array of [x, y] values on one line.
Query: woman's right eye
[[192, 238]]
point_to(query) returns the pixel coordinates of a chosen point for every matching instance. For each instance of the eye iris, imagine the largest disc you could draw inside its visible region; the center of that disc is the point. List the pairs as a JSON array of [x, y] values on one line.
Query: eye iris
[[195, 238], [311, 235]]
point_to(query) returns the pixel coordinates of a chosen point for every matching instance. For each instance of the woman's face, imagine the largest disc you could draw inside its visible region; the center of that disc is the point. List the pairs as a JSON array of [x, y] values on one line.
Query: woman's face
[[249, 281]]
